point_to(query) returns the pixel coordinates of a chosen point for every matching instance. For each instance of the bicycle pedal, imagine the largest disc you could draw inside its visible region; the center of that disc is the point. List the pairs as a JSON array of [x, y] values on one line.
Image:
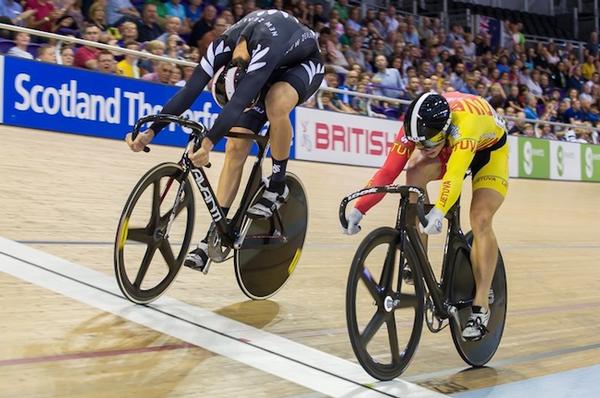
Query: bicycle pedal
[[192, 265]]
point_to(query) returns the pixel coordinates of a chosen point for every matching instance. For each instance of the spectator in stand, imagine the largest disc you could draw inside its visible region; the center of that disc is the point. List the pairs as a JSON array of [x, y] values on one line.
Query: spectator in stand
[[106, 62], [176, 48], [497, 98], [392, 19], [458, 77], [576, 80], [44, 16], [589, 67], [119, 10], [162, 74], [128, 66], [238, 10], [148, 28], [586, 93], [67, 56], [337, 27], [174, 8], [250, 6], [66, 26], [354, 20], [590, 114], [219, 28], [592, 45], [97, 16], [129, 32], [575, 113], [354, 54], [528, 130], [14, 11], [155, 47], [530, 109], [86, 56], [22, 41], [176, 78], [547, 132], [514, 99], [46, 53], [172, 27], [318, 15], [469, 86], [518, 125], [561, 112], [341, 7], [203, 25], [387, 79], [413, 90], [329, 42], [559, 77], [351, 84], [194, 9]]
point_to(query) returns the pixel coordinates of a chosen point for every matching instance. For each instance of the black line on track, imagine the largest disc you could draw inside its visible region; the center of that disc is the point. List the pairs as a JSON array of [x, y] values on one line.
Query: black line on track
[[201, 326]]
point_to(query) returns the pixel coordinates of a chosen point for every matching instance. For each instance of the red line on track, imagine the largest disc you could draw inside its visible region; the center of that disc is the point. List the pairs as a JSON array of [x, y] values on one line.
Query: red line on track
[[93, 354]]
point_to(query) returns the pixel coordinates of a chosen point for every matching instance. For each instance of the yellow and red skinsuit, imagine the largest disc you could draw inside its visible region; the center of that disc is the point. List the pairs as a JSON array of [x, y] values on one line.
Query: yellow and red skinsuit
[[474, 128]]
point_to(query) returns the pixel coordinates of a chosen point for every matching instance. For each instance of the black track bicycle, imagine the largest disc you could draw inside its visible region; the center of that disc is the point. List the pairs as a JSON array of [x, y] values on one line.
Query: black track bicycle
[[392, 289], [156, 226]]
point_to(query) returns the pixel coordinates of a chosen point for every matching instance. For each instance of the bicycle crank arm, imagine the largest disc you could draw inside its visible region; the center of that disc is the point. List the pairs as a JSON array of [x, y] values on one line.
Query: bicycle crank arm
[[453, 312]]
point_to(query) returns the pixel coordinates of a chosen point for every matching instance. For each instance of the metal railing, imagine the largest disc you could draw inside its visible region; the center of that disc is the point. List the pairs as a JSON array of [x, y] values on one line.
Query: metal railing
[[369, 97], [121, 50]]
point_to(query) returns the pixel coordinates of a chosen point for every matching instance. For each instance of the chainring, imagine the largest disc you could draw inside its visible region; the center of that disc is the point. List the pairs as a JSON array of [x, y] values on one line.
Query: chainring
[[216, 252]]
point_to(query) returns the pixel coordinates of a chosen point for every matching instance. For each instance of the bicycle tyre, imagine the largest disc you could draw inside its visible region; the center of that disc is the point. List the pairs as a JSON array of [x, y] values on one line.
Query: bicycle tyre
[[149, 235], [383, 371], [262, 268], [478, 353]]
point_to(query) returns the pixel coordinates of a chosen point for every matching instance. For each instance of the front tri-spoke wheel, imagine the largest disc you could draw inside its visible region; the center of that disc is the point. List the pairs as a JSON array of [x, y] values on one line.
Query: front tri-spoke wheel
[[384, 313], [154, 233]]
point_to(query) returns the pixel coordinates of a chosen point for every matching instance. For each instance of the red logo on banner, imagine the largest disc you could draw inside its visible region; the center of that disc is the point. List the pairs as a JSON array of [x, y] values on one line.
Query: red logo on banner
[[336, 137]]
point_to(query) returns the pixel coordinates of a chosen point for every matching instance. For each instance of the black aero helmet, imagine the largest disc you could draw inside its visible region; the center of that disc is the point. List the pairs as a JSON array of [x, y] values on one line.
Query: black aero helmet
[[225, 82], [427, 118]]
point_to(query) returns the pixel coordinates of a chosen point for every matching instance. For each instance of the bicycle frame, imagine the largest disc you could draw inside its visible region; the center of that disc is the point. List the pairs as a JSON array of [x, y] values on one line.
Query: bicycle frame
[[226, 229], [409, 239]]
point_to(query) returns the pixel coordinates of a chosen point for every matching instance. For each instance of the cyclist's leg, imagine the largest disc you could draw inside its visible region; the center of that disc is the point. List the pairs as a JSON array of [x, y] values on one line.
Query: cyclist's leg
[[236, 152], [490, 184], [294, 86]]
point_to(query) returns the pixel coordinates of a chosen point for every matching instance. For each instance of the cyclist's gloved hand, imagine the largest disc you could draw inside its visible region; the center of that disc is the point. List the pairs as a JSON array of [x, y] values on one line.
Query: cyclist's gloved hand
[[353, 220], [434, 222], [142, 139], [200, 158]]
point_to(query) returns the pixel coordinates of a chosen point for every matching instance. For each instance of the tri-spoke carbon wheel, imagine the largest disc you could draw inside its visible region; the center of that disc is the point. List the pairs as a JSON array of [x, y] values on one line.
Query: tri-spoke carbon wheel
[[151, 244], [384, 313]]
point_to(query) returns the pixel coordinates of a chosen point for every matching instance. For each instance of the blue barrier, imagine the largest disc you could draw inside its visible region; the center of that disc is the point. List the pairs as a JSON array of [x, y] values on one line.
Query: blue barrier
[[72, 100]]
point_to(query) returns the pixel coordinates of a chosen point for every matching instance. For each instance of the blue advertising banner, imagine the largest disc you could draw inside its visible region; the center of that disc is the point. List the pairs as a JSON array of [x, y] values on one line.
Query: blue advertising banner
[[72, 100]]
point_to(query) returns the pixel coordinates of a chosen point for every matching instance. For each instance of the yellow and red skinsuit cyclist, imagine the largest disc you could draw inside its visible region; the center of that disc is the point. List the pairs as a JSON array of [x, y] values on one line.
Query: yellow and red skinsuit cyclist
[[475, 129]]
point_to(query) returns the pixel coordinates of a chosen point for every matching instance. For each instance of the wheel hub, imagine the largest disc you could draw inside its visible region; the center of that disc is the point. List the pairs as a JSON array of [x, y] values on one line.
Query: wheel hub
[[389, 303]]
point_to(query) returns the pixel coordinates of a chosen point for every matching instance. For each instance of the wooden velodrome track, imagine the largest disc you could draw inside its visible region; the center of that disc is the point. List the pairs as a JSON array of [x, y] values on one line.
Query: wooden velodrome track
[[62, 194]]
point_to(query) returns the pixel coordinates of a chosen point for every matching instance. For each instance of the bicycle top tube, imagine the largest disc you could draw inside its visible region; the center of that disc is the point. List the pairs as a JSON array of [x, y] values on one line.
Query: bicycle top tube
[[403, 190]]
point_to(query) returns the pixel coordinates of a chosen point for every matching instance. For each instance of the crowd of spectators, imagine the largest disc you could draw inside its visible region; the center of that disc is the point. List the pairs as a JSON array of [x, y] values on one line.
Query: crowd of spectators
[[382, 52]]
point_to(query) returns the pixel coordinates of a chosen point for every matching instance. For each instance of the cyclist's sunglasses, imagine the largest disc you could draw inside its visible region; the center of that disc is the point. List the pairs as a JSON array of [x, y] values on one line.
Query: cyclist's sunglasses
[[432, 142]]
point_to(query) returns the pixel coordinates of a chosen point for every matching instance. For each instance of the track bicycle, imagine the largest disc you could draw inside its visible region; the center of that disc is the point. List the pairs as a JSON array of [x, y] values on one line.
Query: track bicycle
[[391, 283], [159, 217]]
